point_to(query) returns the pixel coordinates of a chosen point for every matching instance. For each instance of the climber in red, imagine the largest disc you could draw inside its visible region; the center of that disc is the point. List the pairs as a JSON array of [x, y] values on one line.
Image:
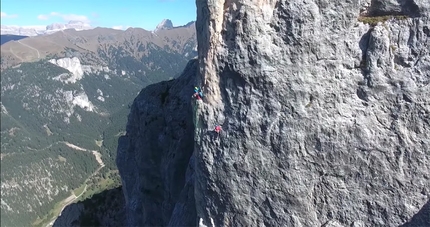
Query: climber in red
[[198, 94], [218, 129]]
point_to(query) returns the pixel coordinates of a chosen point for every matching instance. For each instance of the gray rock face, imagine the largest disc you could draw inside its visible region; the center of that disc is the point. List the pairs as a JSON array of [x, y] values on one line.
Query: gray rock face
[[165, 24], [413, 8], [153, 156], [326, 121]]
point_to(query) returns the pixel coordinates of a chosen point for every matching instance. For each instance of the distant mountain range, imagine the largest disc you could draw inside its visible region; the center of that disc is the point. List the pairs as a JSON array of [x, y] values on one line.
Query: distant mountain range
[[99, 45], [55, 27], [43, 30]]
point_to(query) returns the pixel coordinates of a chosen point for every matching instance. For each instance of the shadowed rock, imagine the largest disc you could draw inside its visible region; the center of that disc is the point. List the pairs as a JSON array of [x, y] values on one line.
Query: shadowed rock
[[153, 156]]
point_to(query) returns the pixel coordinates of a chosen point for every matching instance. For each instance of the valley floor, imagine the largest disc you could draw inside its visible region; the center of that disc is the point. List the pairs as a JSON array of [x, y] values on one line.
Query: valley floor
[[72, 198]]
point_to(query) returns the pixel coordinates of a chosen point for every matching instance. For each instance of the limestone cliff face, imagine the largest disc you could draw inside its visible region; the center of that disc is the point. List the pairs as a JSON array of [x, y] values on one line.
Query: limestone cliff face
[[326, 120], [154, 155]]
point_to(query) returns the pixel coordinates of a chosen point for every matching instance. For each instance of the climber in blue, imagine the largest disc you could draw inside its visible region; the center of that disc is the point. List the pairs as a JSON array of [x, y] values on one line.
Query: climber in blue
[[198, 94]]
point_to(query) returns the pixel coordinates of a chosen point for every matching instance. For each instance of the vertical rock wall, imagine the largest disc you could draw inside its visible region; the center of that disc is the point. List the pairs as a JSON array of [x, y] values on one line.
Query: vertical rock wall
[[326, 120]]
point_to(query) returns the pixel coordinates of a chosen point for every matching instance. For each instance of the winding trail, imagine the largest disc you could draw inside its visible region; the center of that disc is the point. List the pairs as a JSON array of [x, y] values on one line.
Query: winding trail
[[72, 198], [41, 149], [38, 54], [95, 153], [10, 49]]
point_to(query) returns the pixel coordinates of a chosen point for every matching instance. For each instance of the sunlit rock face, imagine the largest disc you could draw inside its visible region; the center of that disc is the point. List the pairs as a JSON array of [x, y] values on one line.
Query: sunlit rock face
[[325, 120]]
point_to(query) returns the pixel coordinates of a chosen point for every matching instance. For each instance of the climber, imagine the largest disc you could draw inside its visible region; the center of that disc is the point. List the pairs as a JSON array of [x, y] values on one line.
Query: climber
[[218, 129], [198, 94]]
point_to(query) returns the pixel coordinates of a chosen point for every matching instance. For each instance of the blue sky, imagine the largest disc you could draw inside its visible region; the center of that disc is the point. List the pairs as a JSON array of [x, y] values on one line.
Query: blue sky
[[108, 13]]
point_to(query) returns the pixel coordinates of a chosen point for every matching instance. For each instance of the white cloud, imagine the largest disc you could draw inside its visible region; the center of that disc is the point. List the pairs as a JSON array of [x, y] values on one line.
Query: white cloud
[[69, 17], [5, 15], [65, 17], [42, 17]]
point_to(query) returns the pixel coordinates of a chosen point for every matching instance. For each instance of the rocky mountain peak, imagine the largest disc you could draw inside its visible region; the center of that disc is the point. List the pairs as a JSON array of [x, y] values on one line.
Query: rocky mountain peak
[[324, 113], [189, 23], [79, 25], [165, 24], [54, 26], [76, 22]]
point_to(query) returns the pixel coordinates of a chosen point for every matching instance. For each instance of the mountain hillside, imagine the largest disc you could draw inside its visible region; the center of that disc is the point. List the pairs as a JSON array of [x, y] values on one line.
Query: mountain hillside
[[64, 106], [101, 46], [324, 107]]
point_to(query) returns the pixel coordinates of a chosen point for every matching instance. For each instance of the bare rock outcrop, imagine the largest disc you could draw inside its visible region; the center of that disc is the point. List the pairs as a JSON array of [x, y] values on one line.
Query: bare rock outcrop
[[154, 155], [326, 120]]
